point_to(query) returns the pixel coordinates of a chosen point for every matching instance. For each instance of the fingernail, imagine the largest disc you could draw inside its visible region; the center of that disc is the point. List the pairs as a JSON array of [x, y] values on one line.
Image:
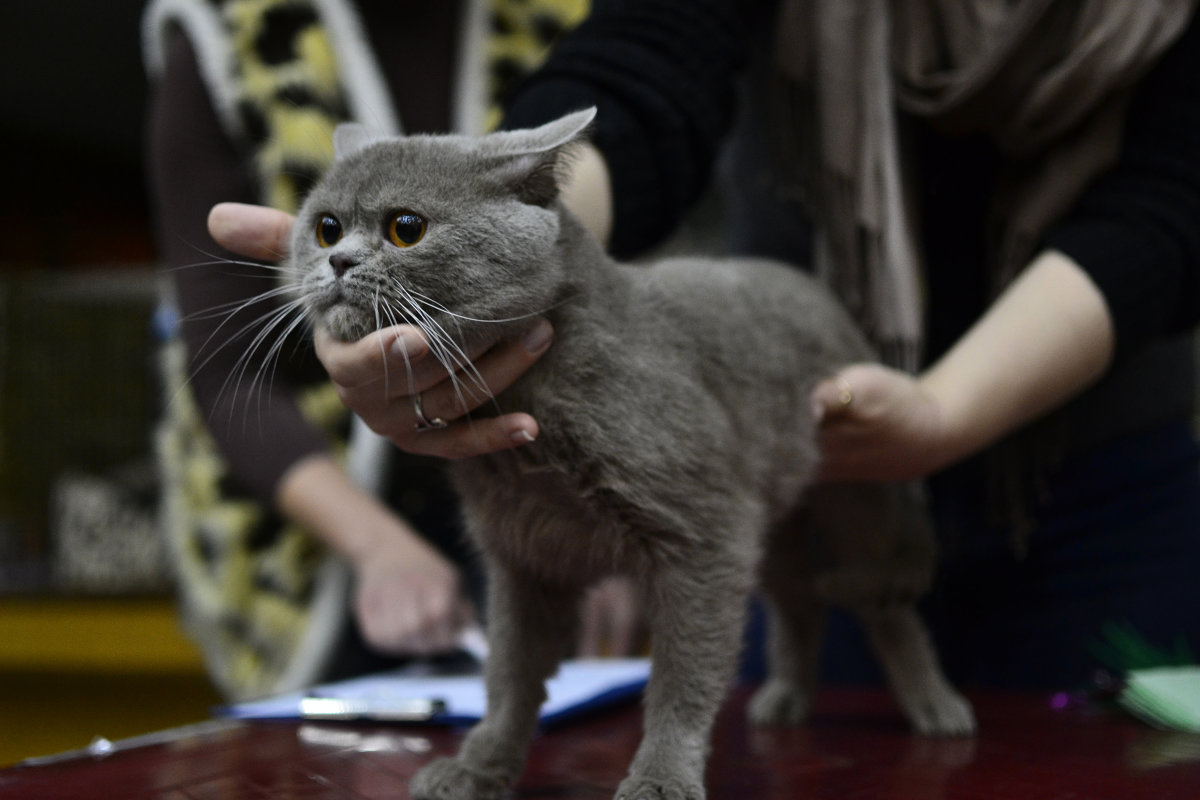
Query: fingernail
[[818, 410], [521, 436], [409, 344], [539, 336]]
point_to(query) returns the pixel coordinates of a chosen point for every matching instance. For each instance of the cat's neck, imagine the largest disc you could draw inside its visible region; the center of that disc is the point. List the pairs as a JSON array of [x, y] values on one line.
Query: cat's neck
[[590, 273]]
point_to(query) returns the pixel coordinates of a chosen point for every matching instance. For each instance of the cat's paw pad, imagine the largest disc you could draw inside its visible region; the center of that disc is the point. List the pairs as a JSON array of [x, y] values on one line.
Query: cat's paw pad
[[450, 779], [945, 713], [641, 787], [778, 703]]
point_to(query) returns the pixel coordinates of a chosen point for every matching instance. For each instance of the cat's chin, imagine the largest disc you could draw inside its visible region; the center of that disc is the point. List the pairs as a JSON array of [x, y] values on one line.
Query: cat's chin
[[345, 323]]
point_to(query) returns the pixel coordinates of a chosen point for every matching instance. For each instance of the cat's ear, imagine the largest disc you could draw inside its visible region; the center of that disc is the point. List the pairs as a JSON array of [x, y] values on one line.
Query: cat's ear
[[350, 137], [533, 159]]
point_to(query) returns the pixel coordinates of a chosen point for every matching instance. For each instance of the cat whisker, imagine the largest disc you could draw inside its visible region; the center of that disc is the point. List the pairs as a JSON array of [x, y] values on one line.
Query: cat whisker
[[429, 302], [231, 308], [274, 327], [377, 305], [271, 359], [217, 258], [447, 350], [396, 319], [265, 325], [445, 356]]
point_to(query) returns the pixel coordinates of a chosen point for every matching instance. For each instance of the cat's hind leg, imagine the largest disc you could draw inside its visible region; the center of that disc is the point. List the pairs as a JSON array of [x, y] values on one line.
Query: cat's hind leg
[[531, 627], [795, 626], [879, 556], [901, 641]]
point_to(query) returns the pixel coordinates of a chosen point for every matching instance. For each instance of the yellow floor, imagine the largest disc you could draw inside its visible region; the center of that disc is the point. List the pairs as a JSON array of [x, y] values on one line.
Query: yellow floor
[[72, 670]]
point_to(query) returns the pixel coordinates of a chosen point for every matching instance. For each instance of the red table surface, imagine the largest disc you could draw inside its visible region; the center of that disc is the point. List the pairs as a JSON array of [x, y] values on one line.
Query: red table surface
[[856, 746]]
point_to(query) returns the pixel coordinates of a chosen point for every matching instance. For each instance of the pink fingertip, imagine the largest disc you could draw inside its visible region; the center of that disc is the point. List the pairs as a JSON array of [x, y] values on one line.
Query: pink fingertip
[[522, 436]]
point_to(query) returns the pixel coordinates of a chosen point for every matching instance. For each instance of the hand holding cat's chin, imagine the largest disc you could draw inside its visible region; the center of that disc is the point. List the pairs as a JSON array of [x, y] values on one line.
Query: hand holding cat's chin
[[376, 377]]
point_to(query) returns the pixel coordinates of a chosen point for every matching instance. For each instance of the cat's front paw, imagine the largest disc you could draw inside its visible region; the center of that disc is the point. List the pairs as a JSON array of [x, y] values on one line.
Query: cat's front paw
[[450, 779], [640, 787], [778, 702]]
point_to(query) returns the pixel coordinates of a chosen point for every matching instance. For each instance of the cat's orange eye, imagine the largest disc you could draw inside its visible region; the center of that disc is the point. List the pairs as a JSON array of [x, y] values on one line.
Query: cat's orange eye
[[406, 228], [329, 230]]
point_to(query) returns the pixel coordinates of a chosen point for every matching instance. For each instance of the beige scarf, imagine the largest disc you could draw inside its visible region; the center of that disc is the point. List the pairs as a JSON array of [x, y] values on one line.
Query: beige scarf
[[1047, 80]]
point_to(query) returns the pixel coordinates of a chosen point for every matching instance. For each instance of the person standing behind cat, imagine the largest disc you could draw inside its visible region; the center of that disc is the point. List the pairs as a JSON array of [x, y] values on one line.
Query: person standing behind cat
[[1022, 242], [247, 94]]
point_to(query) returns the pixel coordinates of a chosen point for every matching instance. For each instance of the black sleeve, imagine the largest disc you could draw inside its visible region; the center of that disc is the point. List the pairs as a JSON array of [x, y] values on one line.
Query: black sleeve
[[663, 76], [1137, 230]]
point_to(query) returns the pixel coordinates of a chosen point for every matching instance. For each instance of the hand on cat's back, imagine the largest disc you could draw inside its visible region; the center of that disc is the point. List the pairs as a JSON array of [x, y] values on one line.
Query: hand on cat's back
[[360, 370], [879, 424]]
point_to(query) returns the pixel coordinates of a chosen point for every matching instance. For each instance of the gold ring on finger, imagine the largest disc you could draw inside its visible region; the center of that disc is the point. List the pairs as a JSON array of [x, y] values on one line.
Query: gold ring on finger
[[424, 423], [845, 393]]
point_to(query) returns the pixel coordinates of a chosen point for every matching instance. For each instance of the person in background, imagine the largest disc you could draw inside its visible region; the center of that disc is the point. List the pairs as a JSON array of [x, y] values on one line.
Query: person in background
[[1005, 195]]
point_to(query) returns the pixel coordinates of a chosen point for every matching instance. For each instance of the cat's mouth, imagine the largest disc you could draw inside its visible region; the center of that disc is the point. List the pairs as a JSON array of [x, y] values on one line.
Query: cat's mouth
[[332, 308]]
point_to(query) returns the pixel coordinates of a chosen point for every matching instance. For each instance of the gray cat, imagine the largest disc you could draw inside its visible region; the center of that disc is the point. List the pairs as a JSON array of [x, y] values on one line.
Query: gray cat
[[677, 441]]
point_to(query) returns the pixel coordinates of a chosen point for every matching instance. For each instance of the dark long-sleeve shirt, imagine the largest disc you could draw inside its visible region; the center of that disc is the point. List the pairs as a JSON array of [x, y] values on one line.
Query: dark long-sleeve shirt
[[663, 74]]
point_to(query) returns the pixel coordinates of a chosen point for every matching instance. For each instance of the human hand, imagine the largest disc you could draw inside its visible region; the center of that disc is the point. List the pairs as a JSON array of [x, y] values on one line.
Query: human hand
[[877, 424], [409, 599], [610, 619], [381, 376]]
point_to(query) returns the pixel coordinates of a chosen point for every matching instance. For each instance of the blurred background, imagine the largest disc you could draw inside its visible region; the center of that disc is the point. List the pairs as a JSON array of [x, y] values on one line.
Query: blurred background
[[89, 641]]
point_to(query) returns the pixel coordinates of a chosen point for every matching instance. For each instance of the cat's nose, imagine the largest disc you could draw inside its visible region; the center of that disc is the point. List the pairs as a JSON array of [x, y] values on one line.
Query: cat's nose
[[341, 263]]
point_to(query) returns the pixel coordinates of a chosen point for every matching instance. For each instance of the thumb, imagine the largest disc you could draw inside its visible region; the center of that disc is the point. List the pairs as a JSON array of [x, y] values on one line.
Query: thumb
[[831, 396], [254, 231]]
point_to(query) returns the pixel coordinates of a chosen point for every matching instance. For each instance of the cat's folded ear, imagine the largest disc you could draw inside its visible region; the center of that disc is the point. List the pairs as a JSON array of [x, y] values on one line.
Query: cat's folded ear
[[350, 137], [532, 161]]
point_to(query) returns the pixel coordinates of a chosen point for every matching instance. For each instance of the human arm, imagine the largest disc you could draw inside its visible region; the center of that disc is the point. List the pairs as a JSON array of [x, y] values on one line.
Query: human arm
[[1131, 240], [663, 76], [1048, 337], [408, 597]]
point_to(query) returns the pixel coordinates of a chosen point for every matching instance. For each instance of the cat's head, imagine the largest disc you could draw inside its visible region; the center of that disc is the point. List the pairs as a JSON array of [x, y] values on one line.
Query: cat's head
[[450, 233]]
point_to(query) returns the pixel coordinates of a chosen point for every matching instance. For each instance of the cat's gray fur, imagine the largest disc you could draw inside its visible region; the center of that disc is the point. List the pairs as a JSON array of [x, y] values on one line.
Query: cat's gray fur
[[676, 443]]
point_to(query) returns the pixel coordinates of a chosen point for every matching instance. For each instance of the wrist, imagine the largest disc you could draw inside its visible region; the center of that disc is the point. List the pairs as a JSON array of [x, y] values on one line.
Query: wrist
[[1046, 338], [953, 435]]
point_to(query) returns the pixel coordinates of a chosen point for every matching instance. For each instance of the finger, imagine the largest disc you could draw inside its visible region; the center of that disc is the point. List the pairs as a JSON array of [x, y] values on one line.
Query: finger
[[491, 374], [469, 438], [371, 359], [253, 231], [831, 397], [440, 625], [464, 615]]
